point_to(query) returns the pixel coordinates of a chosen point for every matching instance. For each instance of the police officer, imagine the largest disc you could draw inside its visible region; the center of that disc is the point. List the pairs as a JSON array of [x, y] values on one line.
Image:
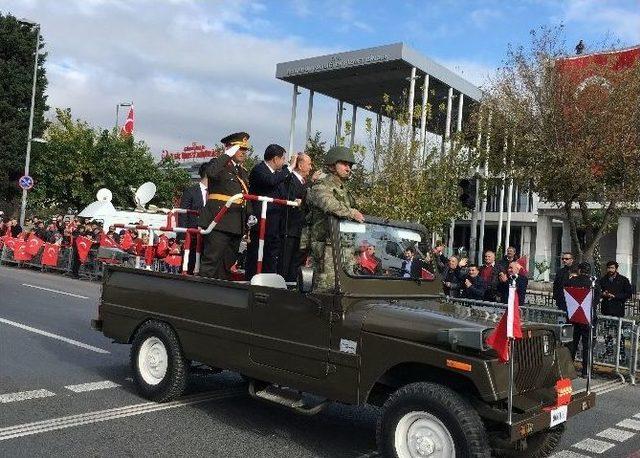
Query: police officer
[[329, 196], [226, 177]]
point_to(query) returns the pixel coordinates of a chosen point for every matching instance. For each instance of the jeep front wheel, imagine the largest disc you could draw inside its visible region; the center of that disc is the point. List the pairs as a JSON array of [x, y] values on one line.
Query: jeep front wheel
[[159, 368], [430, 420]]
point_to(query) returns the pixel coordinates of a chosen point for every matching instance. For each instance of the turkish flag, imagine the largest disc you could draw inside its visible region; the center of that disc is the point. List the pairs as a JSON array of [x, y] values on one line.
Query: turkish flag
[[579, 304], [34, 243], [524, 262], [127, 128], [126, 241], [174, 260], [107, 242], [83, 245], [10, 242], [426, 275], [149, 254], [20, 252], [163, 246], [509, 327], [50, 254], [140, 247]]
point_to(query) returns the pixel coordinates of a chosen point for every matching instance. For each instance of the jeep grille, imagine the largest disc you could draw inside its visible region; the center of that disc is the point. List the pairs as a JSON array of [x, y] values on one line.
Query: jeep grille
[[532, 365]]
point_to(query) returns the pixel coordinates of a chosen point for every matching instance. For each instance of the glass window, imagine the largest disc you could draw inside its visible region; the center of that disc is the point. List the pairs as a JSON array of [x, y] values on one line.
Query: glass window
[[375, 250]]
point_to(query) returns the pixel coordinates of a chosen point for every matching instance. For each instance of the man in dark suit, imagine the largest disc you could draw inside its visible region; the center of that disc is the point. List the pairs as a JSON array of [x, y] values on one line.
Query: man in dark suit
[[193, 198], [292, 219], [562, 276], [264, 180], [474, 287], [616, 290], [411, 266], [227, 177]]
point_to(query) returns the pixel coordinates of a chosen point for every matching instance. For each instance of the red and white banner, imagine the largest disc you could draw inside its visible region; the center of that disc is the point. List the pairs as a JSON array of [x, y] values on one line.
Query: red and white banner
[[107, 242], [50, 254], [127, 128], [509, 327], [20, 252], [83, 245], [10, 242], [126, 241], [34, 243], [579, 303]]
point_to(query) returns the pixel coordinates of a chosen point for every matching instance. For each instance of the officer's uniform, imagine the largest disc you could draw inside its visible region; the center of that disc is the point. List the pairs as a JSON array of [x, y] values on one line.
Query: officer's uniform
[[328, 196], [225, 179]]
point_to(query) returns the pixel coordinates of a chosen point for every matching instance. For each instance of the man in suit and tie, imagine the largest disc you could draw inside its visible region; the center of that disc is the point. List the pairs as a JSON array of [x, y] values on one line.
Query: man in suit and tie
[[193, 198], [226, 177], [264, 180], [411, 266], [292, 219]]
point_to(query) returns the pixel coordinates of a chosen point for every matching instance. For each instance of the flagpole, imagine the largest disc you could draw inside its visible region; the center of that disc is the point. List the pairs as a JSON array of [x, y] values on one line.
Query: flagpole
[[590, 339], [511, 369]]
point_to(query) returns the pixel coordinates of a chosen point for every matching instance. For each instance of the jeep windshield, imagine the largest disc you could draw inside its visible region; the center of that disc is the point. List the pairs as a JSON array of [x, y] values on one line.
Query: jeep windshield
[[378, 250]]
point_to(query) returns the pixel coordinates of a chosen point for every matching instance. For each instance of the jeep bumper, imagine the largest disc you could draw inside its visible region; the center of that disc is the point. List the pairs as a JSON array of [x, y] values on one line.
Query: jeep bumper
[[527, 424]]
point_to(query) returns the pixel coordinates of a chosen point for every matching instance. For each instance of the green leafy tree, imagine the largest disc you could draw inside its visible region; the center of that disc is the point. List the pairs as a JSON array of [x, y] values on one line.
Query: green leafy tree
[[17, 47], [79, 159]]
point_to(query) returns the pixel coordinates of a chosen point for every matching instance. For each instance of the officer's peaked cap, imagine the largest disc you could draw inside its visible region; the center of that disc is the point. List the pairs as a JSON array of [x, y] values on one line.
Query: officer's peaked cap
[[239, 138], [339, 153]]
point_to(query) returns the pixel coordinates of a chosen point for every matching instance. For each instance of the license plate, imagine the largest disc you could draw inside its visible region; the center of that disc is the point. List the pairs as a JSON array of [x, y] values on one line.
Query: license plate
[[558, 415]]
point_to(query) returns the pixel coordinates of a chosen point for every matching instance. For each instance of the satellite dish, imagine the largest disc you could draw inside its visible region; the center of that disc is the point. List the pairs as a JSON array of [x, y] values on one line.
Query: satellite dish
[[145, 193], [104, 195]]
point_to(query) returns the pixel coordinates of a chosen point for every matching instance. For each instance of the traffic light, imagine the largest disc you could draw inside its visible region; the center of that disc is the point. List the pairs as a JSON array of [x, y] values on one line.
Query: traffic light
[[468, 195]]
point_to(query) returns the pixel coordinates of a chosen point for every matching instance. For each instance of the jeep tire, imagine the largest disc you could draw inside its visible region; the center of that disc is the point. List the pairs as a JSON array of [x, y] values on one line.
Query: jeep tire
[[159, 367], [427, 419], [540, 444]]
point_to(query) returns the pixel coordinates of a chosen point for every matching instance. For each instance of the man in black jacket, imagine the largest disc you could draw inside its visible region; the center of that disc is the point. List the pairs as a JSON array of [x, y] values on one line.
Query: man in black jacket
[[411, 266], [561, 278], [581, 277], [264, 180], [193, 198], [226, 178], [292, 219], [474, 287], [504, 281], [616, 290]]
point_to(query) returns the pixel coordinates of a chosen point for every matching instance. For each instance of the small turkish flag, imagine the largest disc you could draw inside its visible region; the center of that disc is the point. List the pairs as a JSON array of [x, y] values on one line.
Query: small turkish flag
[[10, 242], [174, 260], [126, 241], [20, 251], [579, 301], [83, 245], [107, 242], [127, 128], [510, 326], [163, 246], [34, 243], [50, 254]]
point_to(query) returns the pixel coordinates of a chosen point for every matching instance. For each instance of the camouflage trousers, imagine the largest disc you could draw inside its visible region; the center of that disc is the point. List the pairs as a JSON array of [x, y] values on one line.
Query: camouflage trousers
[[324, 278]]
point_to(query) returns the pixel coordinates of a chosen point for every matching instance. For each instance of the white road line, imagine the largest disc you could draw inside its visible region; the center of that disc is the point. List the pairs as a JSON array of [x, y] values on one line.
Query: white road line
[[619, 435], [55, 291], [38, 427], [630, 424], [92, 386], [568, 454], [636, 415], [53, 336], [593, 445], [25, 395]]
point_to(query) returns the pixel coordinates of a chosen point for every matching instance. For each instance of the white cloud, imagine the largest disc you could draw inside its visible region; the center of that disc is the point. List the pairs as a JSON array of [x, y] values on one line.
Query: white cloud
[[485, 16], [605, 17], [475, 72]]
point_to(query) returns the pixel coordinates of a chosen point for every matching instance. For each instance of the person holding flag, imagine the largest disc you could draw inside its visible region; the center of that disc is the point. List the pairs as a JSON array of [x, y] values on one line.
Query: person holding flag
[[582, 294]]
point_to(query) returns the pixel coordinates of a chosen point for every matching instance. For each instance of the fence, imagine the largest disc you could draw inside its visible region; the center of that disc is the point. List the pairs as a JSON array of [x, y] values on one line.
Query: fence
[[545, 299], [615, 344]]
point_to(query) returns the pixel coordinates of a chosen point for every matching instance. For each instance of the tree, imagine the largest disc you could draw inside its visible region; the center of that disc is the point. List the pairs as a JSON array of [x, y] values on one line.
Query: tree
[[569, 132], [78, 160], [17, 47]]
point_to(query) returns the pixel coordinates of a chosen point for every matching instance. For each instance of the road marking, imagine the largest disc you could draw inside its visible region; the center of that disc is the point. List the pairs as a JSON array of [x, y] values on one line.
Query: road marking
[[55, 291], [54, 336], [593, 445], [568, 454], [630, 424], [619, 435], [636, 415], [92, 386], [25, 395], [27, 429]]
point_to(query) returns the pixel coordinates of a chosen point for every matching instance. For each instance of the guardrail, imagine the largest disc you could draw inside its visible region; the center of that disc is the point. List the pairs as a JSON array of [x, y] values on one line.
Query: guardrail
[[545, 299], [615, 344]]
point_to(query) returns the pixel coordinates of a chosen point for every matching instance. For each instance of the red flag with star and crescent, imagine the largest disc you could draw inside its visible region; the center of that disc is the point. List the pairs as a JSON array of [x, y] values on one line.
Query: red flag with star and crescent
[[34, 243], [83, 245], [127, 128], [20, 252], [50, 254], [579, 304], [107, 242], [509, 327]]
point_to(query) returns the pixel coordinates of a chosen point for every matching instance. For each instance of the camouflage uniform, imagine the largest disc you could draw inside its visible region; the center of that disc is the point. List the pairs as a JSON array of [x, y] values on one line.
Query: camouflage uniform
[[328, 196]]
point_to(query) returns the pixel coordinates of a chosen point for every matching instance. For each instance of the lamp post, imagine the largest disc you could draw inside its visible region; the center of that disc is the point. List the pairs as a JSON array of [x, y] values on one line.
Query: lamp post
[[121, 104], [27, 159]]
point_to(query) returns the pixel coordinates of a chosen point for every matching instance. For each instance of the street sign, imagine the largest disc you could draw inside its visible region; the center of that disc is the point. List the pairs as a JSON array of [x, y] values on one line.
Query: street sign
[[25, 182]]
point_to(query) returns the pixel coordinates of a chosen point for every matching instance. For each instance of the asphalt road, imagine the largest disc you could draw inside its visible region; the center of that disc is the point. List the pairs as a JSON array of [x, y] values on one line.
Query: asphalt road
[[65, 390]]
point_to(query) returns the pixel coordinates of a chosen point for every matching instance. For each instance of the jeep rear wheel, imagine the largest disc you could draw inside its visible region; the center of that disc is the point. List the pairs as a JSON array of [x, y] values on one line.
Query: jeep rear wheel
[[538, 445], [430, 420], [159, 368]]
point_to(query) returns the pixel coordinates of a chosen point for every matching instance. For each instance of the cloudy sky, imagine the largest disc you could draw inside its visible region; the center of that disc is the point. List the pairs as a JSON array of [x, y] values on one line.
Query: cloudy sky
[[197, 70]]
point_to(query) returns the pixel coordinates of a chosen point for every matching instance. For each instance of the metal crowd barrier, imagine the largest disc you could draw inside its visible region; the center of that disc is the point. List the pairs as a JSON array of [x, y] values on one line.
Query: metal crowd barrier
[[545, 299], [616, 340]]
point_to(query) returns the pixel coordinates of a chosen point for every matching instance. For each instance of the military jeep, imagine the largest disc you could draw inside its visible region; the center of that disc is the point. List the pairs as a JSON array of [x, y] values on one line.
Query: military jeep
[[385, 340]]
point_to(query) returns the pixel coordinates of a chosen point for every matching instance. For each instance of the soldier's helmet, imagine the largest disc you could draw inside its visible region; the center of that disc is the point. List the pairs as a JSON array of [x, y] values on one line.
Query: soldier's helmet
[[339, 153]]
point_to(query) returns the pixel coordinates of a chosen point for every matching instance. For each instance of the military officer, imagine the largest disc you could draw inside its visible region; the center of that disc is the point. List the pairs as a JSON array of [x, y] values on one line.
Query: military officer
[[226, 177], [330, 196]]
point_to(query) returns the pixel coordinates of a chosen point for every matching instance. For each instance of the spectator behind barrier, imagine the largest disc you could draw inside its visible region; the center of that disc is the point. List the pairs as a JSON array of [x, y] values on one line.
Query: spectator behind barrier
[[616, 290]]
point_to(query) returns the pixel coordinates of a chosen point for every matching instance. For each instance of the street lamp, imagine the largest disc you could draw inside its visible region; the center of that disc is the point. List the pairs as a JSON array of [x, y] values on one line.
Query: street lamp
[[121, 104], [27, 159]]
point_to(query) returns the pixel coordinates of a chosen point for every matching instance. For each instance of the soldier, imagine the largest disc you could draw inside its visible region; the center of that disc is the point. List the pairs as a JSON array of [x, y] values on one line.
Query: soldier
[[330, 196], [226, 177]]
